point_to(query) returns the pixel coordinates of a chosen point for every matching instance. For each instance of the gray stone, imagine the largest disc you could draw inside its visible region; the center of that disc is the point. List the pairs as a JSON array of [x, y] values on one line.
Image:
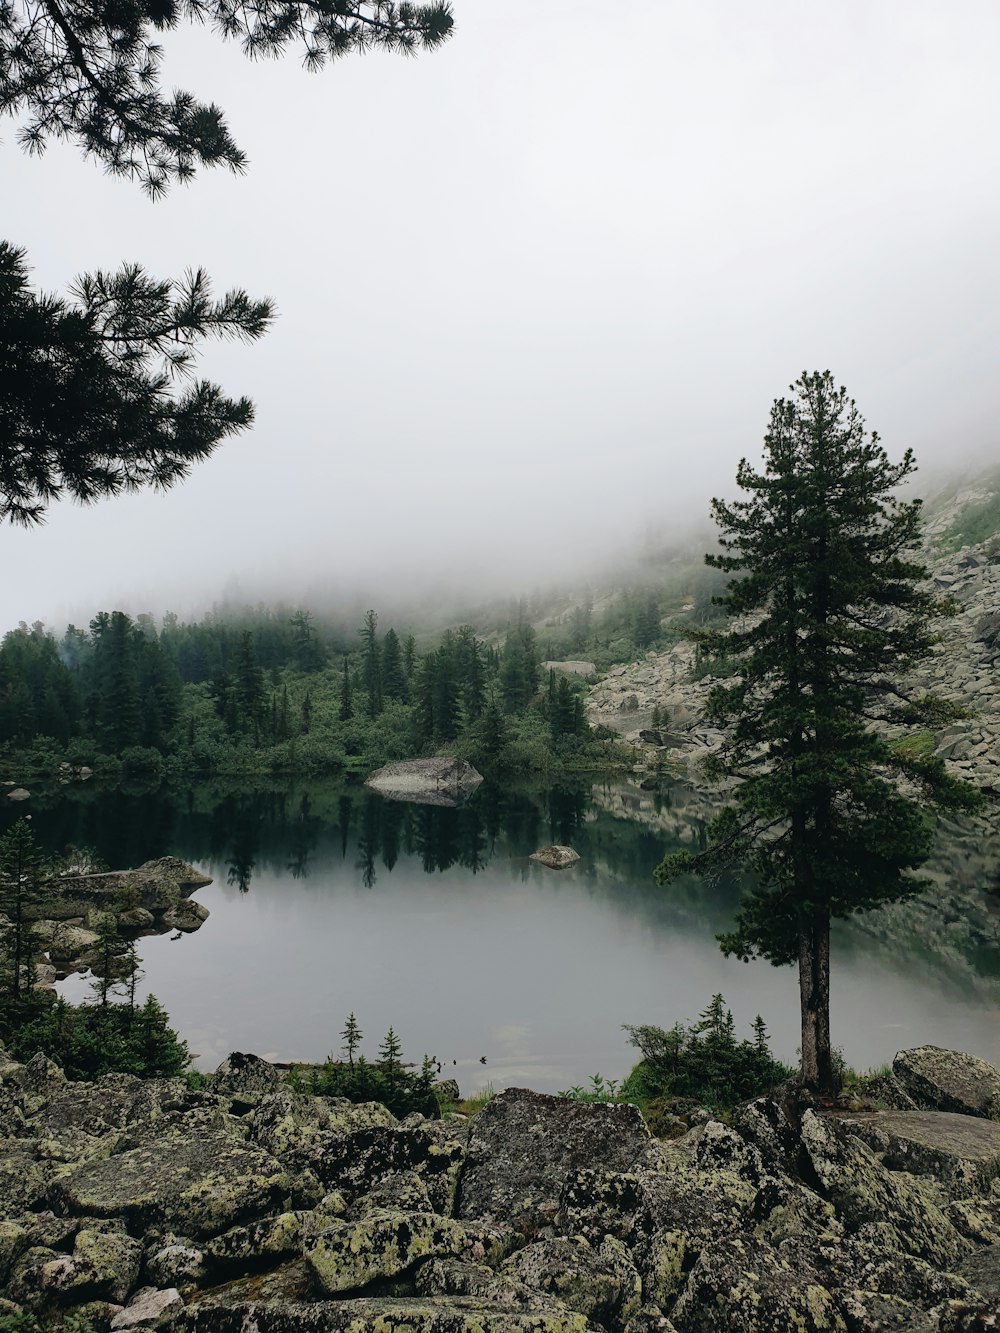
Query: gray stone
[[383, 1244], [741, 1286], [961, 1151], [198, 1186], [186, 915], [601, 1283], [556, 857], [150, 1309], [451, 1314], [441, 781], [523, 1145], [240, 1072], [943, 1080]]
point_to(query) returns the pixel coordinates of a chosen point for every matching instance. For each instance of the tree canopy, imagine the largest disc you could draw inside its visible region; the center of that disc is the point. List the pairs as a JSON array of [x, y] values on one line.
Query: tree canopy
[[95, 391], [828, 611], [89, 70], [96, 394]]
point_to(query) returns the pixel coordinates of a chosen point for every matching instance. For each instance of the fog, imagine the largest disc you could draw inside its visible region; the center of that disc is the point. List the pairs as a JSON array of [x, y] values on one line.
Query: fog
[[538, 289]]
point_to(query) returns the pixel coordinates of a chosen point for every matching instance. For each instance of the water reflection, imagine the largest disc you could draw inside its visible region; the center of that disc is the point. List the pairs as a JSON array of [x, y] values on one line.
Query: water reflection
[[328, 898]]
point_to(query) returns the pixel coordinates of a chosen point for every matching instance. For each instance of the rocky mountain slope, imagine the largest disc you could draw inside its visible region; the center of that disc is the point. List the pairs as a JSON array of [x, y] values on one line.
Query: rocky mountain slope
[[964, 668]]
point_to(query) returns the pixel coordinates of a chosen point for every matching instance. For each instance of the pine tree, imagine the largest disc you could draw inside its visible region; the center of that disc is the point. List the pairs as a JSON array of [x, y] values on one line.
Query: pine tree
[[351, 1037], [829, 613], [21, 874], [394, 682], [346, 696], [371, 663]]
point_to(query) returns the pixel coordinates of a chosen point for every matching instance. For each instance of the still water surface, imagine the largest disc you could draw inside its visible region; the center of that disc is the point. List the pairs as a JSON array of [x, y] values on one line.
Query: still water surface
[[329, 899]]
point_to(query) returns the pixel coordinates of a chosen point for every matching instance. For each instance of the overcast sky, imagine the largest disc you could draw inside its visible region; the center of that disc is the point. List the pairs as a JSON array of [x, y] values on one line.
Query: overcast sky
[[538, 289]]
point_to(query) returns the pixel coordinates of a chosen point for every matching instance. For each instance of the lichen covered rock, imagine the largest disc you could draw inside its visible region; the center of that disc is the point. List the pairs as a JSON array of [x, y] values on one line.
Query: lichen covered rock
[[942, 1080], [200, 1186], [523, 1145], [350, 1255]]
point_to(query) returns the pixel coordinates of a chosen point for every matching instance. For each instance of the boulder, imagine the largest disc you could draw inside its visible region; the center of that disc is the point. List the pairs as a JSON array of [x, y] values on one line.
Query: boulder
[[357, 1162], [523, 1145], [258, 1244], [601, 1283], [186, 915], [382, 1244], [199, 1186], [556, 857], [240, 1072], [942, 1080], [863, 1191], [741, 1286], [441, 781], [18, 794], [175, 1265], [136, 919], [68, 942], [149, 1308], [961, 1151]]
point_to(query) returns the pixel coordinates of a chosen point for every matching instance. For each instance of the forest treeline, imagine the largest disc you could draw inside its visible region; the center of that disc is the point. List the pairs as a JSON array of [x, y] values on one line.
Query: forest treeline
[[270, 691]]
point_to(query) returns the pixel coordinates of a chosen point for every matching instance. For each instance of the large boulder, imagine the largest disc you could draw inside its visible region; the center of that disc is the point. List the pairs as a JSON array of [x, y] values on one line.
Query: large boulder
[[942, 1080], [358, 1162], [523, 1145], [555, 857], [442, 781], [382, 1244], [960, 1151], [864, 1192], [185, 915], [601, 1283], [741, 1286], [198, 1186]]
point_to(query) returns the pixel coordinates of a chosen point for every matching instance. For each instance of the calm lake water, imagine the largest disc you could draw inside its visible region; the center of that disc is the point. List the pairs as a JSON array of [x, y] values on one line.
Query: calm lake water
[[327, 899]]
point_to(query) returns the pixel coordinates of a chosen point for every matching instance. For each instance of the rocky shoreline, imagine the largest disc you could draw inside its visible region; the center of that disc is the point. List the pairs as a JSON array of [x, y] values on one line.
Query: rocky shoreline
[[246, 1207], [151, 900]]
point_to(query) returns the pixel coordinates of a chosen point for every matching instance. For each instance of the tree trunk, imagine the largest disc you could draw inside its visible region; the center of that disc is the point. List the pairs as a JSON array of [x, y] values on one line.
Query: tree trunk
[[814, 996]]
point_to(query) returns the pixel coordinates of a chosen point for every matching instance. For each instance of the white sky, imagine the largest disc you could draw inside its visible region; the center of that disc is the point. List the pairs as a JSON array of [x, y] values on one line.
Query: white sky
[[538, 289]]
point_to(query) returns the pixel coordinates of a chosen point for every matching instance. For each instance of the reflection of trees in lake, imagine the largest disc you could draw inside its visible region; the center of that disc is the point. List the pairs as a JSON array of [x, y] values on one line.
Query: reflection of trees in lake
[[321, 829], [304, 831]]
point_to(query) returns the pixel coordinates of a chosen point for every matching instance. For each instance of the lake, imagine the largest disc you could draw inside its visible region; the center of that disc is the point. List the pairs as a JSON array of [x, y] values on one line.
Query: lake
[[329, 899]]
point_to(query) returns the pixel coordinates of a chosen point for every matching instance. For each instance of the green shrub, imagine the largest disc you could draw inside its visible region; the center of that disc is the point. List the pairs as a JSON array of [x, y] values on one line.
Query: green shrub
[[89, 1040], [703, 1062], [388, 1080]]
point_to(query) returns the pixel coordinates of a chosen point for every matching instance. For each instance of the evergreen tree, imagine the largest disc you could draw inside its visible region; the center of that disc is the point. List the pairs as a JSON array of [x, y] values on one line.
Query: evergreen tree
[[249, 691], [394, 681], [20, 882], [89, 398], [519, 667], [91, 72], [409, 656], [351, 1037], [828, 612], [346, 696], [306, 713], [371, 663], [309, 655]]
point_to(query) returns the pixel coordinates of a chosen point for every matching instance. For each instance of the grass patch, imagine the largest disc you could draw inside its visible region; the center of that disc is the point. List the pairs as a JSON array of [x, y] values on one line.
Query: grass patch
[[975, 525], [918, 745]]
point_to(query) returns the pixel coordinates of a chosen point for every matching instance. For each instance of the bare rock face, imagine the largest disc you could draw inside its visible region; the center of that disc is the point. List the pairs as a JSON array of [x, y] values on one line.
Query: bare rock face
[[941, 1080], [442, 781], [523, 1145], [555, 857]]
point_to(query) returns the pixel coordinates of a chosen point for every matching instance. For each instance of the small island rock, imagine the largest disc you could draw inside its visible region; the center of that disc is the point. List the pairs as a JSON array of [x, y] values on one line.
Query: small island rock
[[555, 857]]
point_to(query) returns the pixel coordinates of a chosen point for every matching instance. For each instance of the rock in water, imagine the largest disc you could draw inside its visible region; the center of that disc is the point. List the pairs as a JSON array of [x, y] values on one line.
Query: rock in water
[[441, 781], [555, 857]]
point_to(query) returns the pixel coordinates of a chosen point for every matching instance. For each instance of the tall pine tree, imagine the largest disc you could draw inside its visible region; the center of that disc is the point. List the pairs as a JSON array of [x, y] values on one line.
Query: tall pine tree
[[828, 612]]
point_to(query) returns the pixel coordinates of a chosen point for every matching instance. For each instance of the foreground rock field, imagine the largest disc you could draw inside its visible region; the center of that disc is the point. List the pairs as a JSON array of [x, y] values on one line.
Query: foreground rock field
[[248, 1208]]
